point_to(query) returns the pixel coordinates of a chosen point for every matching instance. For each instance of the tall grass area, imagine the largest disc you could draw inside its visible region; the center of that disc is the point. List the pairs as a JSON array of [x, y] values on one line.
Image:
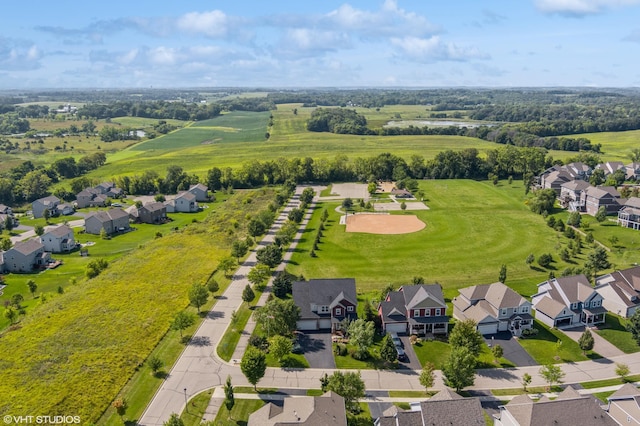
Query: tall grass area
[[75, 353], [472, 228]]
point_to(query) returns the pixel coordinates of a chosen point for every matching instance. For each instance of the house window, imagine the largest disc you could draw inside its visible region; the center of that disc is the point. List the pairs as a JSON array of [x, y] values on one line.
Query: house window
[[324, 309], [504, 312], [438, 312], [349, 308], [338, 311], [427, 312], [525, 309], [416, 312], [574, 306]]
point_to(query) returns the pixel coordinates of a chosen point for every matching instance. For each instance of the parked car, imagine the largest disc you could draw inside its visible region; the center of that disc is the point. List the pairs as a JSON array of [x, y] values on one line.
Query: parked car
[[396, 340], [402, 355]]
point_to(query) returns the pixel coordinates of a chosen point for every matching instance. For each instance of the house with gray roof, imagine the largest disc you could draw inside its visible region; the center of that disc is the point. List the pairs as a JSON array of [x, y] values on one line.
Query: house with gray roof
[[629, 214], [25, 256], [494, 307], [59, 239], [578, 170], [47, 203], [570, 408], [184, 202], [624, 405], [571, 195], [112, 221], [325, 303], [633, 170], [610, 167], [90, 197], [602, 196], [568, 302], [152, 213], [6, 210], [620, 291], [415, 309], [444, 408], [555, 179], [324, 410], [200, 191]]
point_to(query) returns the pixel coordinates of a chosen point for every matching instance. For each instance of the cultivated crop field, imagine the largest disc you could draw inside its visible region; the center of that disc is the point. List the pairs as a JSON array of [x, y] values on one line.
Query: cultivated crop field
[[472, 229], [86, 343]]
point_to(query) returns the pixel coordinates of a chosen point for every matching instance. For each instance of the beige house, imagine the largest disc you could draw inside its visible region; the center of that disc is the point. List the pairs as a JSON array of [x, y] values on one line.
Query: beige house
[[494, 307], [327, 409], [624, 405], [184, 202], [620, 291], [59, 239], [112, 221]]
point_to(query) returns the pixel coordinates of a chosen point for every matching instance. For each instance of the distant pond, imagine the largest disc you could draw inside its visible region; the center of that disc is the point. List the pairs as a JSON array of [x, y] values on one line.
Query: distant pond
[[422, 123]]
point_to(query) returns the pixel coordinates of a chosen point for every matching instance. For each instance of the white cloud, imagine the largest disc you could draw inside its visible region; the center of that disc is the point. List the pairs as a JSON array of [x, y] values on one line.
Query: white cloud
[[213, 23], [433, 49], [18, 55], [580, 7]]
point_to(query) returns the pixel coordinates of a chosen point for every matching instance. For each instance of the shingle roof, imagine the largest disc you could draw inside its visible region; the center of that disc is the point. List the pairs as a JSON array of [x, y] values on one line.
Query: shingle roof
[[417, 295], [155, 206], [198, 186], [633, 202], [59, 231], [324, 410], [27, 247], [186, 195], [322, 292], [576, 185], [627, 390]]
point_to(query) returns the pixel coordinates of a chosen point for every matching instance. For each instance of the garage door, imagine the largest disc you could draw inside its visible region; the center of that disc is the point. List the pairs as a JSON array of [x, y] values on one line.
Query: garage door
[[307, 325], [488, 328], [396, 328], [324, 323]]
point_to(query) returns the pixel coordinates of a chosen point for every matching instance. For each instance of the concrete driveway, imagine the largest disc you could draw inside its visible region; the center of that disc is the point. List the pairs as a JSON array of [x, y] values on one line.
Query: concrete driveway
[[601, 346], [512, 349], [317, 349]]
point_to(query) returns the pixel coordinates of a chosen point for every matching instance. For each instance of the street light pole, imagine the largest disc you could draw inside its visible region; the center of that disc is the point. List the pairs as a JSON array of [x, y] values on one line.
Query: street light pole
[[186, 402]]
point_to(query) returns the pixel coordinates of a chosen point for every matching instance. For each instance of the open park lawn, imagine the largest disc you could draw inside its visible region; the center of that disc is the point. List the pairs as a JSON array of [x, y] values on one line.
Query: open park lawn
[[88, 342], [472, 229]]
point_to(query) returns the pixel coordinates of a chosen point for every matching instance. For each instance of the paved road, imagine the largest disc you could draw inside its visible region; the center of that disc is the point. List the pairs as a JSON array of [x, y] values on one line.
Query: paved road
[[199, 367]]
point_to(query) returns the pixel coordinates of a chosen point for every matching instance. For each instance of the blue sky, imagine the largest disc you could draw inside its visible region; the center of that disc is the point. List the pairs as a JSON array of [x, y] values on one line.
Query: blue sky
[[355, 43]]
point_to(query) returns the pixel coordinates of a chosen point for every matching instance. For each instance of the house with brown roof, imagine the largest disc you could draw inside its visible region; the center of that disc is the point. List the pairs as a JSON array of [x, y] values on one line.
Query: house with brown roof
[[200, 191], [624, 405], [568, 302], [47, 203], [90, 197], [325, 303], [25, 256], [327, 409], [184, 202], [610, 167], [620, 291], [444, 408], [59, 239], [415, 309], [555, 179], [112, 221], [570, 408], [629, 214], [494, 307], [602, 196]]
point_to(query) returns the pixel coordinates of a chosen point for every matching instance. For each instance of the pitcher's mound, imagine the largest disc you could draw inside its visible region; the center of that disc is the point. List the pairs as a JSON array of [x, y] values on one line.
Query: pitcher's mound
[[384, 223]]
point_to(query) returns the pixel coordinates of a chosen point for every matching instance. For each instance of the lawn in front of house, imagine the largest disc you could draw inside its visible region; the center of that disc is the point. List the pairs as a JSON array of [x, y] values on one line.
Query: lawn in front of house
[[437, 352], [240, 412], [543, 346], [615, 332]]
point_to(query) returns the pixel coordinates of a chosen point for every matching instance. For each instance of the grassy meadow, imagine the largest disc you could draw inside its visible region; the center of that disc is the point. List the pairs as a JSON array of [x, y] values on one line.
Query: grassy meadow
[[88, 342]]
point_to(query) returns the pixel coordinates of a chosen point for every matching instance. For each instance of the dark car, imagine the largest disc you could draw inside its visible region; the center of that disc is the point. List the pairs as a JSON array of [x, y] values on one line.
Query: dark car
[[402, 355]]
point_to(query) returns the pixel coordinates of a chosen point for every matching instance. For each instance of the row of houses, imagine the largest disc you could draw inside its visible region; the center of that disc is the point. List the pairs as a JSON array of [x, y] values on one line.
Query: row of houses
[[421, 309], [183, 202], [448, 408], [575, 193], [26, 256]]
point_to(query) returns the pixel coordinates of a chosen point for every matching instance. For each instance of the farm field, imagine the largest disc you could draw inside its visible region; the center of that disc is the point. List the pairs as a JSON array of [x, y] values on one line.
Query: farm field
[[87, 342], [472, 229]]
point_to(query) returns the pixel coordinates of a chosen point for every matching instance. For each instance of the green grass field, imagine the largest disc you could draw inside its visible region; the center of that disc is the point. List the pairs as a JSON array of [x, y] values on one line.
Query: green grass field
[[543, 347], [88, 342], [616, 333], [472, 229]]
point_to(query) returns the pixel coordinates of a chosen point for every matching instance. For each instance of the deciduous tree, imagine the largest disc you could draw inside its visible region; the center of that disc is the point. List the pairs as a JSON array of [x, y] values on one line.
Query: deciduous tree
[[361, 336], [182, 321], [633, 326], [427, 376], [270, 255], [198, 295], [349, 386], [229, 398], [551, 374], [459, 369], [253, 365], [32, 287], [465, 334], [280, 346], [278, 316]]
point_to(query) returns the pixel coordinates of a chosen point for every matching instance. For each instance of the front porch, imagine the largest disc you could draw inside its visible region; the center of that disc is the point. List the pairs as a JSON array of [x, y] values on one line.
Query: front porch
[[422, 326], [593, 316], [520, 322]]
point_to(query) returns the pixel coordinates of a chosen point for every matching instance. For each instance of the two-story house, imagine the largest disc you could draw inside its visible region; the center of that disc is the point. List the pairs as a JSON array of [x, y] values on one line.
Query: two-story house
[[112, 221], [578, 170], [620, 291], [152, 213], [571, 195], [568, 302], [610, 167], [59, 239], [602, 196], [494, 307], [184, 202], [555, 179], [624, 405], [47, 203], [90, 197], [633, 170], [200, 191], [325, 303], [25, 256], [629, 214], [415, 309]]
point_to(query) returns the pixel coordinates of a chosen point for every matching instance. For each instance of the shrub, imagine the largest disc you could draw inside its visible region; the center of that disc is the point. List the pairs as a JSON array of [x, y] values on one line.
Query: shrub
[[259, 342]]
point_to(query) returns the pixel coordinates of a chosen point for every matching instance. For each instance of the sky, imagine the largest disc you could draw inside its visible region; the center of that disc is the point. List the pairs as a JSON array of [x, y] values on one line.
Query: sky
[[309, 43]]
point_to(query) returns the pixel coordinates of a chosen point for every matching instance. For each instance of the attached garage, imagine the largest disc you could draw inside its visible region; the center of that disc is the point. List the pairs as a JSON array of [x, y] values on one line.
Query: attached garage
[[324, 323], [305, 325], [488, 328], [396, 327]]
